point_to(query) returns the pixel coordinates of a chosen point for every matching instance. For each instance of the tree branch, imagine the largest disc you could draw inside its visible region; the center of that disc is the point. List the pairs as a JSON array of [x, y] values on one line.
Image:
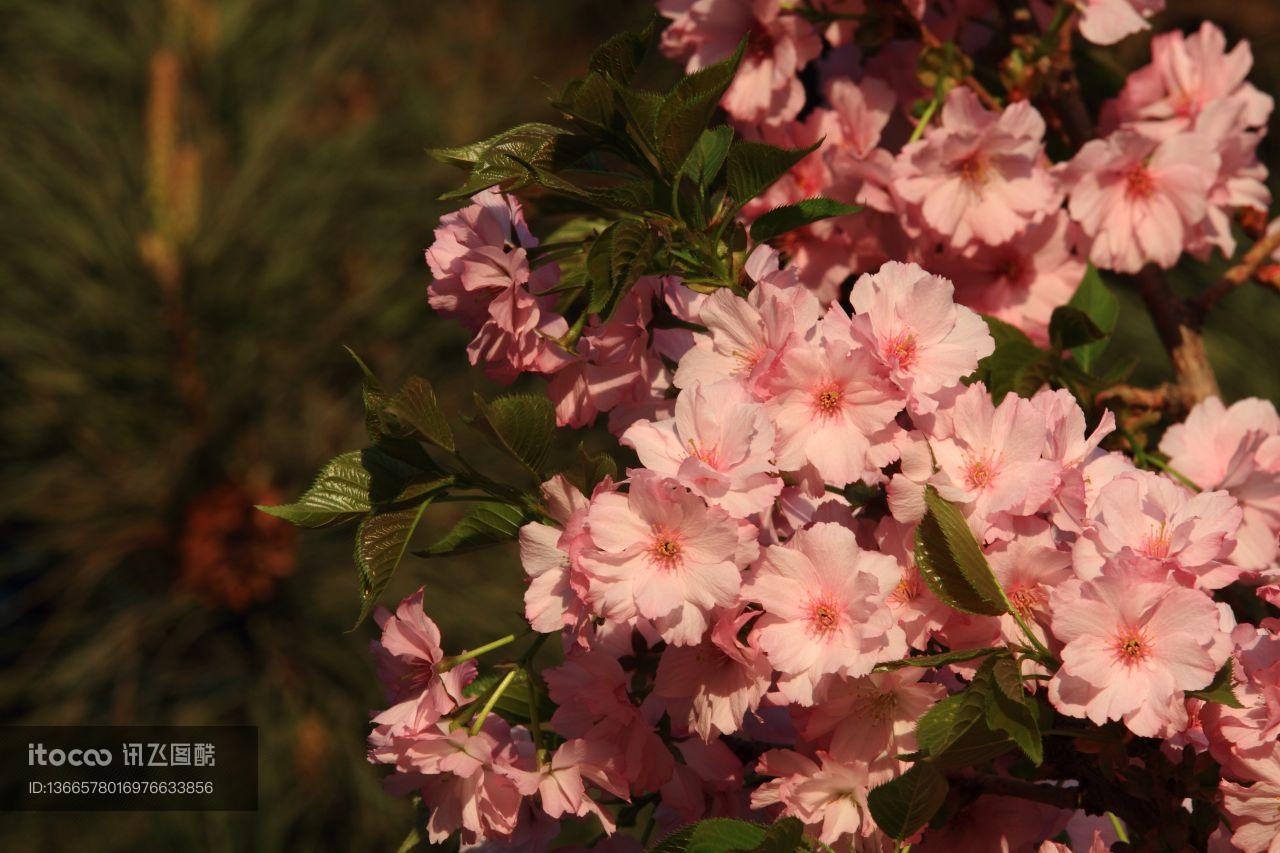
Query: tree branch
[[1003, 786], [1248, 267], [1180, 335]]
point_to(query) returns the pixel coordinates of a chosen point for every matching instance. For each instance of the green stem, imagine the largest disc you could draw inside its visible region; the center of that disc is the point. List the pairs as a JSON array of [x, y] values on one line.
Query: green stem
[[449, 663], [1040, 647], [925, 118], [1173, 472], [493, 700]]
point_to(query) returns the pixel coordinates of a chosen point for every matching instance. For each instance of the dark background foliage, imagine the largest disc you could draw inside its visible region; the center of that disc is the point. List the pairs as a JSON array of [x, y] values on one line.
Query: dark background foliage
[[201, 202]]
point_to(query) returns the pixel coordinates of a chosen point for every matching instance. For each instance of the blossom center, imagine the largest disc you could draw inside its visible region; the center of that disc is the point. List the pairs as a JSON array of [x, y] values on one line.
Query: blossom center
[[907, 590], [824, 617], [708, 455], [973, 170], [978, 474], [901, 350], [1131, 647], [759, 41], [1157, 542], [1027, 598], [827, 400], [1138, 183], [666, 548]]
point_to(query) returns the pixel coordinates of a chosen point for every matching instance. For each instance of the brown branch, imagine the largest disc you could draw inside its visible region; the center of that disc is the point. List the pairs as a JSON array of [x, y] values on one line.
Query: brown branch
[[1180, 334], [1139, 398], [1258, 254], [1003, 786]]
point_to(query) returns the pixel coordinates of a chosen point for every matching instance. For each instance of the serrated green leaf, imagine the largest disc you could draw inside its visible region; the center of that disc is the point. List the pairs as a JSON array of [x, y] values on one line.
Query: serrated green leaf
[[395, 465], [592, 469], [1009, 707], [514, 704], [374, 398], [903, 805], [1016, 365], [1070, 328], [621, 55], [616, 259], [523, 425], [753, 166], [687, 109], [952, 564], [941, 659], [1221, 689], [340, 493], [785, 836], [707, 156], [789, 217], [724, 835], [676, 841], [954, 732], [484, 524], [416, 408], [381, 542], [1101, 306]]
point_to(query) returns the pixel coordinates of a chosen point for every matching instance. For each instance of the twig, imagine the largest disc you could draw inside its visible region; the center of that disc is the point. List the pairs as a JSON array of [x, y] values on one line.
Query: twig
[[1181, 337], [989, 101], [1138, 398], [1237, 275], [1002, 786]]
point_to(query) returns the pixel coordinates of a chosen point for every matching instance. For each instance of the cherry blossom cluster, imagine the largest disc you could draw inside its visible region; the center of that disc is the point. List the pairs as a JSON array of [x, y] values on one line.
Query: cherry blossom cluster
[[727, 591], [735, 610]]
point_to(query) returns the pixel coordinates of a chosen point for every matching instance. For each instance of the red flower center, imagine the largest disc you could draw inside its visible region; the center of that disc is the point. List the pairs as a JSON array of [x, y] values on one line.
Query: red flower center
[[1138, 183]]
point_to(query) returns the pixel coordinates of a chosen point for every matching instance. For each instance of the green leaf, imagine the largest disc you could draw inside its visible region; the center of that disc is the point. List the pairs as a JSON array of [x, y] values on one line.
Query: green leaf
[[373, 396], [592, 469], [954, 732], [707, 156], [485, 524], [617, 258], [785, 836], [753, 166], [514, 157], [1101, 306], [399, 469], [620, 56], [340, 493], [416, 409], [687, 110], [523, 425], [1010, 709], [675, 841], [381, 542], [1221, 689], [903, 805], [1070, 328], [941, 659], [514, 704], [723, 835], [1016, 365], [789, 217], [951, 561]]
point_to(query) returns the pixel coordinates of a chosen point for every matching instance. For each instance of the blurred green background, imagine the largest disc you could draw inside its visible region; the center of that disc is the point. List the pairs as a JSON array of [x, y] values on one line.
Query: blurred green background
[[201, 202]]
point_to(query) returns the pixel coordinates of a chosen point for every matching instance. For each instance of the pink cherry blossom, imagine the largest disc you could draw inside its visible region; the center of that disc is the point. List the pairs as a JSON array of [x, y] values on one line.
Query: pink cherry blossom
[[909, 322], [833, 411], [1138, 199], [712, 686], [519, 337], [830, 796], [556, 598], [978, 174], [719, 445], [1131, 649], [1021, 281], [478, 252], [1029, 567], [662, 554], [825, 608], [748, 337], [409, 656], [1234, 449], [916, 609], [1159, 520], [1188, 73], [992, 462], [872, 719], [1109, 21], [779, 43], [1251, 809]]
